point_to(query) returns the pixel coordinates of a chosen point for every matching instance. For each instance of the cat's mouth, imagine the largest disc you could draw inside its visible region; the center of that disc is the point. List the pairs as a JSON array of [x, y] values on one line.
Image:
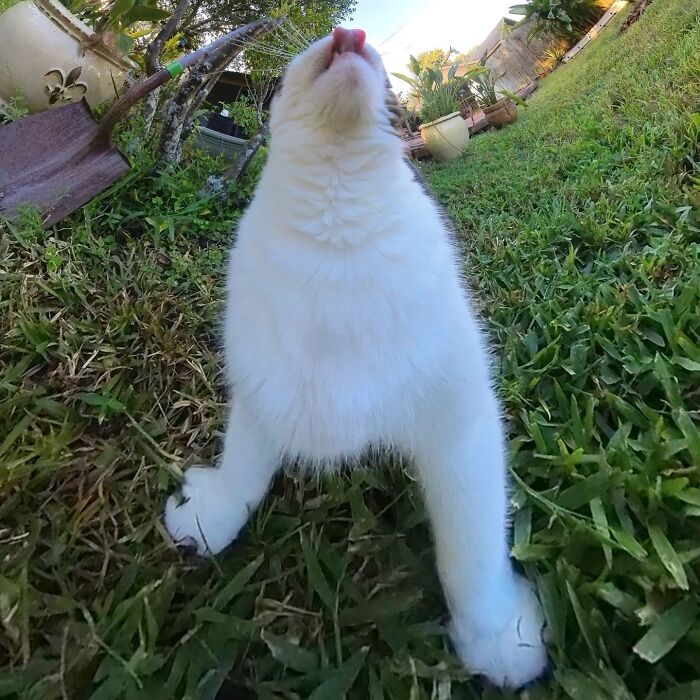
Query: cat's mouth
[[346, 42]]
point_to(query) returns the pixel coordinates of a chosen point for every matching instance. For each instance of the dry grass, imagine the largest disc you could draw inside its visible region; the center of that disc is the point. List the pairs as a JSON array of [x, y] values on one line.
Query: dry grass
[[581, 224]]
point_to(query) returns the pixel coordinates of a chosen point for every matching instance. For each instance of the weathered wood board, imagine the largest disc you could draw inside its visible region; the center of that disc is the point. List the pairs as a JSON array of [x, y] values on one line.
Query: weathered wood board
[[595, 29]]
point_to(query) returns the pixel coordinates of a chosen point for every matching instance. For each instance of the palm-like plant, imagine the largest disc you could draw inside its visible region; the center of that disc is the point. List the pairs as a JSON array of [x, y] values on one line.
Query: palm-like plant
[[423, 81], [437, 96], [560, 17], [484, 89]]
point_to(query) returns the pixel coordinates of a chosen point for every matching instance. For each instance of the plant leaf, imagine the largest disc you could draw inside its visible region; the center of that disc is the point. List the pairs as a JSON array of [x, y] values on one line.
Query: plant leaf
[[290, 654], [342, 679], [317, 578], [667, 631], [119, 8], [237, 583], [669, 557], [143, 13], [405, 78], [579, 686]]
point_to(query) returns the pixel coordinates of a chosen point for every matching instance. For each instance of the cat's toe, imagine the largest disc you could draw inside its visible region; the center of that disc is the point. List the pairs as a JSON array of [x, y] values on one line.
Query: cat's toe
[[204, 517], [511, 656], [181, 522]]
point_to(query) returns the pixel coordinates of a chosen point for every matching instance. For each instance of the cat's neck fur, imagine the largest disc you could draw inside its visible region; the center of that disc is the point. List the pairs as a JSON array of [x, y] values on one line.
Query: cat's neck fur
[[333, 187]]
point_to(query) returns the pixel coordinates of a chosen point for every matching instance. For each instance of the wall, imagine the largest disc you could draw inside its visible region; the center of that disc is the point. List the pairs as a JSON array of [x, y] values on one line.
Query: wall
[[515, 63]]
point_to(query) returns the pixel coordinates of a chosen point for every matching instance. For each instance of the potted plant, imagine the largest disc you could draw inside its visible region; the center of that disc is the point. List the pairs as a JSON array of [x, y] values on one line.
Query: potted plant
[[227, 132], [51, 57], [444, 131], [499, 111]]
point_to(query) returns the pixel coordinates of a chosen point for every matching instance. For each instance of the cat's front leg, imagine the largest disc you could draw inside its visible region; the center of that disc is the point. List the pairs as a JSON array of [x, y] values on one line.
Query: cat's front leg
[[216, 502], [497, 623]]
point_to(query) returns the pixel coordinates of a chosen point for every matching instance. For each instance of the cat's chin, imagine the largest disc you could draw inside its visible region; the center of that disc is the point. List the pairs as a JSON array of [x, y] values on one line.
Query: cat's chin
[[346, 91], [341, 59], [337, 85], [348, 68]]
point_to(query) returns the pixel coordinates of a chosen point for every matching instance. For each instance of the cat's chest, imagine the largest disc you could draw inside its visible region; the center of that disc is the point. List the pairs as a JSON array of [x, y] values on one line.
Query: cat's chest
[[330, 363], [319, 337]]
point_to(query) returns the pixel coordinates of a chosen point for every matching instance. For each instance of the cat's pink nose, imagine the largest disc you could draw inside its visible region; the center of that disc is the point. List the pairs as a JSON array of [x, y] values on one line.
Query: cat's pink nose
[[345, 40]]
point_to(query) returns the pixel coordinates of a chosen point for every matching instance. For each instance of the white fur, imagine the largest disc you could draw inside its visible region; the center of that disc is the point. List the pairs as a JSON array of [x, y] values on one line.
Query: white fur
[[348, 326]]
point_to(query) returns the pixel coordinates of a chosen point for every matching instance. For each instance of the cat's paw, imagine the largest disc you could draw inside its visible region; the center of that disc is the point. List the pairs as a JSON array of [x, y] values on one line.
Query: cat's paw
[[512, 655], [205, 516]]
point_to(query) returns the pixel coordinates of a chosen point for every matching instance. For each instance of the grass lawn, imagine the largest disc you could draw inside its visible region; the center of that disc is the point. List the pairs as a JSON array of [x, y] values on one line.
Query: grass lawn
[[581, 229]]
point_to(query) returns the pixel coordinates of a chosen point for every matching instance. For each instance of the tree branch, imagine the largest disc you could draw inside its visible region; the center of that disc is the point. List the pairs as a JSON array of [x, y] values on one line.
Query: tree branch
[[153, 63], [235, 171], [196, 86], [155, 48]]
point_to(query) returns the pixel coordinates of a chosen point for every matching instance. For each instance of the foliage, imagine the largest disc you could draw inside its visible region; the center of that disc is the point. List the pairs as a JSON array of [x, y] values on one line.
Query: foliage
[[553, 57], [435, 58], [580, 229], [559, 17], [581, 224], [422, 80], [267, 48], [115, 23], [555, 54], [7, 4], [438, 103], [484, 88], [313, 19], [435, 94], [14, 109], [412, 116], [244, 112]]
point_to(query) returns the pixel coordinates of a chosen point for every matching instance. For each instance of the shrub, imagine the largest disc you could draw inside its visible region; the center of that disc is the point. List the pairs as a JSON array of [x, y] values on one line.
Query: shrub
[[244, 112], [437, 96], [439, 103], [559, 17]]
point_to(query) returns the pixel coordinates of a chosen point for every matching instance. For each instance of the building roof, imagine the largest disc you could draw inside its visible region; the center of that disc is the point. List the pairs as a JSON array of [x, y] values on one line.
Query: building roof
[[232, 84]]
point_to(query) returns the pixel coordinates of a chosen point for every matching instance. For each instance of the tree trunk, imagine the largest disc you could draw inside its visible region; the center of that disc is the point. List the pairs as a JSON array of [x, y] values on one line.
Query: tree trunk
[[152, 60], [636, 13], [194, 89], [236, 170]]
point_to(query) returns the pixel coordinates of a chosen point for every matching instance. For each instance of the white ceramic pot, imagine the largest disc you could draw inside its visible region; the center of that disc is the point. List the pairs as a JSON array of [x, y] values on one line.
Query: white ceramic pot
[[446, 138], [43, 56]]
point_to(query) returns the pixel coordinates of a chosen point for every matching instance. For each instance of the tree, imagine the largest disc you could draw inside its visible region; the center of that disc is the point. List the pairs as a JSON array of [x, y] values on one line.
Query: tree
[[196, 85], [301, 22], [308, 20], [435, 58], [205, 17]]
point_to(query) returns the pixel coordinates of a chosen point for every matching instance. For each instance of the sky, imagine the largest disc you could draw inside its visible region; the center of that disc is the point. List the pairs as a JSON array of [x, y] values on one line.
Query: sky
[[398, 28]]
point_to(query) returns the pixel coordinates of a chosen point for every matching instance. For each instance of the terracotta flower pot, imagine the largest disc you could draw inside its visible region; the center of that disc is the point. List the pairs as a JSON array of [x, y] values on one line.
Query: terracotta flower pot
[[44, 57], [446, 138], [503, 112]]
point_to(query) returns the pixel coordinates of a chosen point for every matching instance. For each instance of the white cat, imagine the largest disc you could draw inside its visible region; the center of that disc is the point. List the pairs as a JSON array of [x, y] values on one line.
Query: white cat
[[348, 326]]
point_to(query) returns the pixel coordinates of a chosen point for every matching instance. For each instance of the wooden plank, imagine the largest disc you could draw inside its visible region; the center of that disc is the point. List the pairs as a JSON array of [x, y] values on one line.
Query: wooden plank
[[477, 122], [529, 89], [516, 62], [595, 29]]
